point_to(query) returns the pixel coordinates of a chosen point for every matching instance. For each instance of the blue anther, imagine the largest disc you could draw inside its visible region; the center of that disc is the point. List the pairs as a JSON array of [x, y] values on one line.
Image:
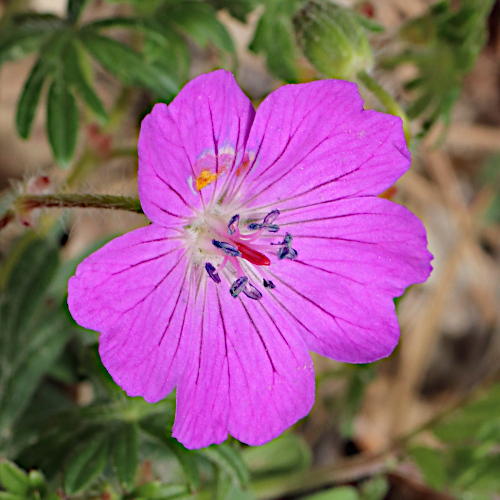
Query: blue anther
[[251, 292], [211, 272], [269, 284], [287, 252], [282, 253], [238, 286], [227, 248], [272, 228], [233, 224], [271, 216]]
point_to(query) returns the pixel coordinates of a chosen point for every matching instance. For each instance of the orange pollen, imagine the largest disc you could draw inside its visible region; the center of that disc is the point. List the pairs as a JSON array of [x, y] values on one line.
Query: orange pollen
[[205, 178]]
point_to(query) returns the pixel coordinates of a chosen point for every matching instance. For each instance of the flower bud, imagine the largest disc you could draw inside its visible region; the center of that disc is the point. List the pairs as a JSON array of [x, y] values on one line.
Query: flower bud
[[333, 39]]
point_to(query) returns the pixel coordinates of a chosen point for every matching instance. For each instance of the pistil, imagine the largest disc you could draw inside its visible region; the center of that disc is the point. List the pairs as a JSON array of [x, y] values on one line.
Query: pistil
[[237, 245]]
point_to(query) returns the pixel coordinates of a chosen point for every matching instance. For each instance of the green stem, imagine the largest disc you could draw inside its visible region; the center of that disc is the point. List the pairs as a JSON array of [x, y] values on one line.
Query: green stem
[[387, 100], [102, 201]]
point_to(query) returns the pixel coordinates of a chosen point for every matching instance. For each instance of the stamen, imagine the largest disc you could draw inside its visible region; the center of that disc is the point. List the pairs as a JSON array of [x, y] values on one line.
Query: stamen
[[211, 272], [238, 286], [272, 228], [271, 216], [228, 249], [232, 227], [269, 284], [267, 223], [286, 251], [221, 266], [251, 292]]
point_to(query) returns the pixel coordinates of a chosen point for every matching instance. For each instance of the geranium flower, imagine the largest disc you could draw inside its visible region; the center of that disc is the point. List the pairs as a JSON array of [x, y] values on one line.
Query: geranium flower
[[267, 240]]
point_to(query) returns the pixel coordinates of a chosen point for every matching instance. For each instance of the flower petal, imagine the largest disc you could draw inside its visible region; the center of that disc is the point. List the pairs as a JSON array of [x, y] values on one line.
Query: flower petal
[[135, 292], [189, 147], [252, 375], [354, 257], [314, 142]]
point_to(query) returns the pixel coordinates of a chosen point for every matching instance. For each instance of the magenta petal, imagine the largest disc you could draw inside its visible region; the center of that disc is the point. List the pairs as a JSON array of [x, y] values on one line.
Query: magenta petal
[[205, 128], [135, 292], [354, 256], [248, 374], [314, 142]]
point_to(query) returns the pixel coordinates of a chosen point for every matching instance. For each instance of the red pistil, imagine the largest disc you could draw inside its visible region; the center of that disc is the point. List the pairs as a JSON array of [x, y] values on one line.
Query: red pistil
[[252, 255]]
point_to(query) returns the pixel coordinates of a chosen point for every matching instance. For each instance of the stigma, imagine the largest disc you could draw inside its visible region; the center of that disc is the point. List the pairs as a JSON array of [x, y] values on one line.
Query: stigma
[[239, 249]]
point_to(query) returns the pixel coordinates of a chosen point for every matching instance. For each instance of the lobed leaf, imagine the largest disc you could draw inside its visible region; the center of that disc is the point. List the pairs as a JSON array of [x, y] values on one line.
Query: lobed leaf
[[74, 9], [128, 65], [229, 460], [198, 20], [286, 454], [431, 465], [239, 9], [14, 479], [86, 463], [341, 493], [30, 97], [26, 33], [62, 121], [124, 453], [274, 38], [75, 76]]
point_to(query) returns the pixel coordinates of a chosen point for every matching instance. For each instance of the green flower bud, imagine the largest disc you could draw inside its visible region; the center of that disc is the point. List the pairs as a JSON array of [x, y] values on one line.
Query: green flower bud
[[333, 39]]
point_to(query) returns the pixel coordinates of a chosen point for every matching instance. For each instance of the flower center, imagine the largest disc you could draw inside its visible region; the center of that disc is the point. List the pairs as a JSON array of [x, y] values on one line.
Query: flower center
[[235, 245]]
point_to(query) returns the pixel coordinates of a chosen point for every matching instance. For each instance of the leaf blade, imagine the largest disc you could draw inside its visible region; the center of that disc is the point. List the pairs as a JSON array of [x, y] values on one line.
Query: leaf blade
[[62, 121]]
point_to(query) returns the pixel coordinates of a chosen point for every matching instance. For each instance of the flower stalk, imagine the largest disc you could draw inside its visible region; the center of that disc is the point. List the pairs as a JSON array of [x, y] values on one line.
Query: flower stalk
[[390, 104], [28, 202]]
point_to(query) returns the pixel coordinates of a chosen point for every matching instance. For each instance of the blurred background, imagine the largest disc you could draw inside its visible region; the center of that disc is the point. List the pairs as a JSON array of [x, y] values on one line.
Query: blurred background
[[77, 77]]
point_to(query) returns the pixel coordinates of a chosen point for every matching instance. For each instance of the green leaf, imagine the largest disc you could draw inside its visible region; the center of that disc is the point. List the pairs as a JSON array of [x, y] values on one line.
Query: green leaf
[[229, 460], [34, 331], [274, 38], [431, 464], [13, 479], [62, 121], [26, 33], [157, 490], [239, 9], [474, 422], [375, 488], [168, 42], [227, 489], [287, 453], [443, 45], [342, 493], [159, 39], [74, 9], [124, 453], [11, 496], [128, 65], [30, 97], [75, 76], [186, 458], [86, 463], [198, 20]]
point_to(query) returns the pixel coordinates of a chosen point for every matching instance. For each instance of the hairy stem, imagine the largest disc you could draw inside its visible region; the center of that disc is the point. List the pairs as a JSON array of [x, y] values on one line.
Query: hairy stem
[[104, 201]]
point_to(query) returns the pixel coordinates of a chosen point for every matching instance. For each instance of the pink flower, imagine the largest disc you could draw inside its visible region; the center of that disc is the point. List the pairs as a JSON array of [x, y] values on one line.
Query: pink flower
[[267, 240]]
